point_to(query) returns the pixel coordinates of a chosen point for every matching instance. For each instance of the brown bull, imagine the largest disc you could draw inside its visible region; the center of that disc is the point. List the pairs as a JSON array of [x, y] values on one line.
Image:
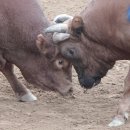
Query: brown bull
[[39, 61], [99, 36]]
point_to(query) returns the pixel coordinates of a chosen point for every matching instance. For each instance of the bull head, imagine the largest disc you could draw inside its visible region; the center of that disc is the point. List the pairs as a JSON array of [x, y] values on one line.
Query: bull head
[[89, 70]]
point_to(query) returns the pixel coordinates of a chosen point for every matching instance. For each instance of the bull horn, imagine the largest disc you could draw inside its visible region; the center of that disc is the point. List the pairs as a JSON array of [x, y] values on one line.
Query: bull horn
[[62, 18], [58, 37], [61, 28]]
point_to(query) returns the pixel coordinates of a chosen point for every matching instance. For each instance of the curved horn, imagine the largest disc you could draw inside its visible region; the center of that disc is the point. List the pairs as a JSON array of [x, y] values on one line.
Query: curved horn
[[63, 28], [62, 18], [58, 37]]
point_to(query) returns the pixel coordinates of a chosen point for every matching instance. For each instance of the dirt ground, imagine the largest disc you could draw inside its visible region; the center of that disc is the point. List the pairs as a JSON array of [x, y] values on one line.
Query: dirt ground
[[91, 110]]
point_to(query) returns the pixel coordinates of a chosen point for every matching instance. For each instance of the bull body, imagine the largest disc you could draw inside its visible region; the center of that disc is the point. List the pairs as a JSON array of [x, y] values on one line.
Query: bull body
[[99, 37], [105, 39], [20, 23]]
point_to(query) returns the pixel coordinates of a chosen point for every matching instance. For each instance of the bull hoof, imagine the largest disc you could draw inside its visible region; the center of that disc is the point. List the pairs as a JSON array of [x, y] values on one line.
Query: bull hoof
[[29, 97], [118, 121]]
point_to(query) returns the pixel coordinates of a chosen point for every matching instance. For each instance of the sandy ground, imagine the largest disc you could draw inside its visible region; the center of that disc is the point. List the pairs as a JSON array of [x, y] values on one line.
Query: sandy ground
[[91, 110]]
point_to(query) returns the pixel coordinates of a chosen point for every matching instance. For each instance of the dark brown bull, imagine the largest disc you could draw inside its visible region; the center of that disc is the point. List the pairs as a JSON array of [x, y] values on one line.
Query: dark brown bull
[[38, 59], [99, 37]]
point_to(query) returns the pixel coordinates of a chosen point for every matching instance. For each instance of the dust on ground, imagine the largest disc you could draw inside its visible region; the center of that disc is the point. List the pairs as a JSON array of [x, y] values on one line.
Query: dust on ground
[[91, 110]]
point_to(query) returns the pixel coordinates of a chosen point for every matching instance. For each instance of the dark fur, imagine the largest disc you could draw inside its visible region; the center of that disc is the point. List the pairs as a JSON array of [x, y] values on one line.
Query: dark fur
[[106, 39]]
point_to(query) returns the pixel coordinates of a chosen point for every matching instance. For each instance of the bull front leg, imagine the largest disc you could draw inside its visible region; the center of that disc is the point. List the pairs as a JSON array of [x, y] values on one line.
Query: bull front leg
[[122, 115], [21, 92]]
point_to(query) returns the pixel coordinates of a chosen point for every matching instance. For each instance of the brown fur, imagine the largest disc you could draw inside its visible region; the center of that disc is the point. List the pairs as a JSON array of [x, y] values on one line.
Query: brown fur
[[20, 23], [105, 40]]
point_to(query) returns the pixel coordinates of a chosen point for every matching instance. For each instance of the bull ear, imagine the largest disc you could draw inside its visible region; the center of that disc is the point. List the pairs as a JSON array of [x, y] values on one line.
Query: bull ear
[[77, 26], [40, 42], [47, 49]]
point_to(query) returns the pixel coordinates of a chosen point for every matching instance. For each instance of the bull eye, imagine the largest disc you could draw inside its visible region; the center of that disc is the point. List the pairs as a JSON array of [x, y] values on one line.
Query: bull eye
[[59, 63], [71, 52]]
